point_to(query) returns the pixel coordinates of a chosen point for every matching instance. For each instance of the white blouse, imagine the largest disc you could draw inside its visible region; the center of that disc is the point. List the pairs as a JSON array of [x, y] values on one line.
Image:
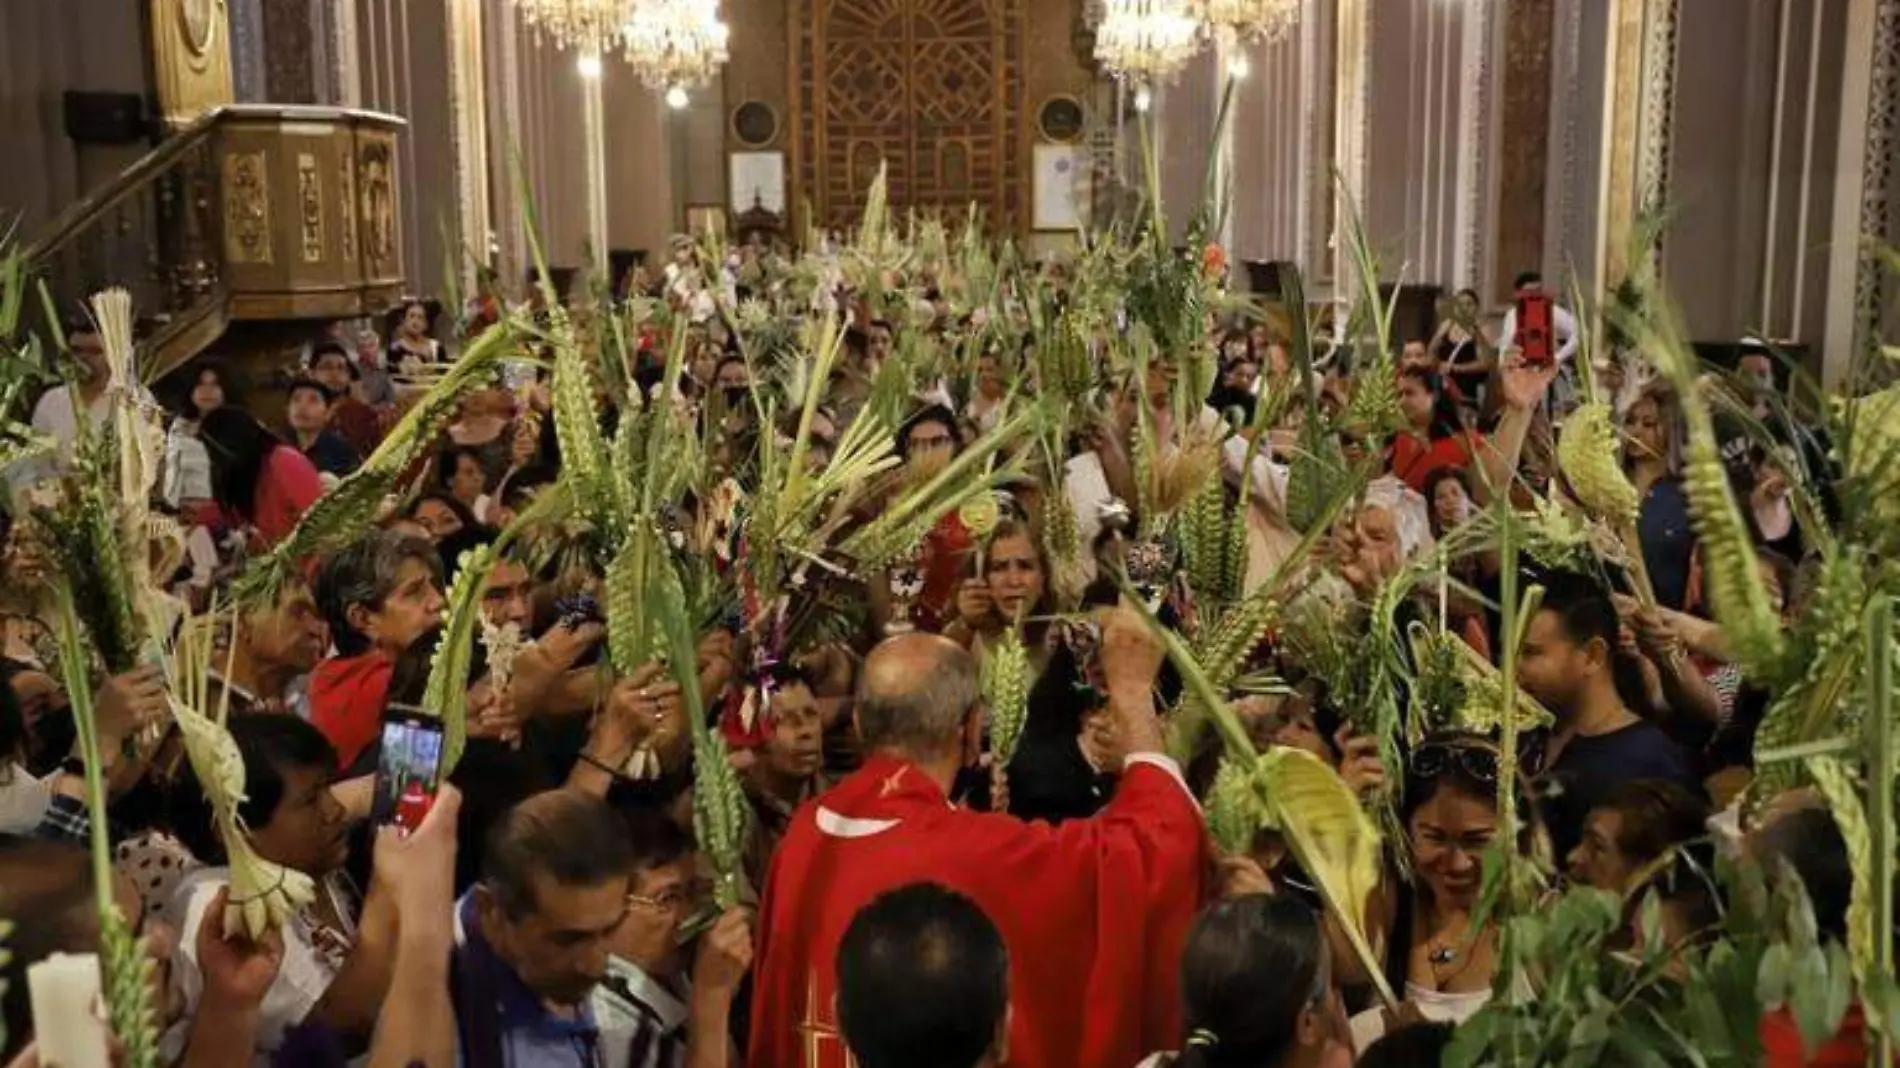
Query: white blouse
[[187, 465], [311, 962]]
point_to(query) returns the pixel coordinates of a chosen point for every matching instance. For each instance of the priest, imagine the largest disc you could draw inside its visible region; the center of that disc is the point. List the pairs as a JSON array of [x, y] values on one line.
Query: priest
[[1093, 913]]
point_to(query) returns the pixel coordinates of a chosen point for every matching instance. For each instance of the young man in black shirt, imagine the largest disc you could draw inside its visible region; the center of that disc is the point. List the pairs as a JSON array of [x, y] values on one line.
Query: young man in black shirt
[[1570, 662]]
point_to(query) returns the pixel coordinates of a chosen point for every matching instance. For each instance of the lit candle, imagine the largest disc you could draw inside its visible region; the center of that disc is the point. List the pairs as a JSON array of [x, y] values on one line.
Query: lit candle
[[66, 1021]]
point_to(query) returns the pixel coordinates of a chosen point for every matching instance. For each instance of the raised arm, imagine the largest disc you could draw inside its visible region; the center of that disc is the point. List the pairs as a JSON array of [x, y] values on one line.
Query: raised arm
[[1523, 388], [416, 1027]]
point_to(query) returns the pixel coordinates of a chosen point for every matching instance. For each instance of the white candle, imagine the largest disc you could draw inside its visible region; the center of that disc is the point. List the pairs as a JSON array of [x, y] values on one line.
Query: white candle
[[66, 1019]]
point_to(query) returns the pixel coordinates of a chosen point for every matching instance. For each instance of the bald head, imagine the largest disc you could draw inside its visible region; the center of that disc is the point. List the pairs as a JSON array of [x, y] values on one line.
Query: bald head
[[915, 694]]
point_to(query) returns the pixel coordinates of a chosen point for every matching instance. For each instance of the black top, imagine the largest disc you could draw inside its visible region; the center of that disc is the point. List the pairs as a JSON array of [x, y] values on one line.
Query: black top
[[1049, 779], [1459, 359], [1590, 768], [331, 455]]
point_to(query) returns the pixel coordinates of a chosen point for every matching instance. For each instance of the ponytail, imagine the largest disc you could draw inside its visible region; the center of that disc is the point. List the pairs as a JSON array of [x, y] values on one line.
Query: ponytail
[[1252, 966]]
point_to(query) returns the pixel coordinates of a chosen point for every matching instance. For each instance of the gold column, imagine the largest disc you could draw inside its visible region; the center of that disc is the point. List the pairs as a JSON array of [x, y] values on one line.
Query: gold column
[[191, 56], [1231, 65], [596, 166], [1352, 126], [468, 105], [1639, 101], [503, 74]]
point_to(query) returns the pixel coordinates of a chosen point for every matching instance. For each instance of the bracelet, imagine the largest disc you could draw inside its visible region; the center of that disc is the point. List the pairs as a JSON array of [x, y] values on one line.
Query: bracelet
[[591, 762]]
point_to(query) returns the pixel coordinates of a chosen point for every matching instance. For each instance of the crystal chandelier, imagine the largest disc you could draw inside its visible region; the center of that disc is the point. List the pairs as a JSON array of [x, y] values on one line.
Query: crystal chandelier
[[592, 26], [675, 44], [1268, 20], [1147, 40]]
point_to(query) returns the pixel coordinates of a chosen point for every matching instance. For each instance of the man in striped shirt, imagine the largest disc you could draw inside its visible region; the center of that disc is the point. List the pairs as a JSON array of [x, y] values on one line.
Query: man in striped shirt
[[651, 1013]]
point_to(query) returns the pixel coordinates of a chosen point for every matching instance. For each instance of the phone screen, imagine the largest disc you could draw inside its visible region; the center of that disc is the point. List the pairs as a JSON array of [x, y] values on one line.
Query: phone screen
[[1535, 330], [409, 774]]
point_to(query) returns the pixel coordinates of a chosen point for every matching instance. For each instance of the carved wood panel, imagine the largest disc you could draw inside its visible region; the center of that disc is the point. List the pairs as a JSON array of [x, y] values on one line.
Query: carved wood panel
[[1524, 140], [930, 88]]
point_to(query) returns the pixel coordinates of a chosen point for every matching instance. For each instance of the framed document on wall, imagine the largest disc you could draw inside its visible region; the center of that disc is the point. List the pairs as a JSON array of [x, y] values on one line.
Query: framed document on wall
[[758, 181], [1062, 187]]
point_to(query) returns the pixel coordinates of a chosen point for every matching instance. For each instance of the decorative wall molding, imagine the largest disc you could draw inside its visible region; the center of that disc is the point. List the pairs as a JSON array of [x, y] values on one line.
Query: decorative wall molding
[[1661, 19], [310, 208], [247, 214], [1523, 158], [1878, 175], [1570, 185]]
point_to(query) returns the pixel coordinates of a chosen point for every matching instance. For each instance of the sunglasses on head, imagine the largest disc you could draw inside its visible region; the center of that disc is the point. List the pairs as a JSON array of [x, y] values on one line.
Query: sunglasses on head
[[1477, 758]]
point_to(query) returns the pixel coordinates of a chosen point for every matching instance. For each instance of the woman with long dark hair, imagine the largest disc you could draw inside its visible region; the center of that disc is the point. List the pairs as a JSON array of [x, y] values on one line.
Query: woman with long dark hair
[[1257, 990], [187, 482], [1435, 436], [412, 340], [1436, 959], [258, 481]]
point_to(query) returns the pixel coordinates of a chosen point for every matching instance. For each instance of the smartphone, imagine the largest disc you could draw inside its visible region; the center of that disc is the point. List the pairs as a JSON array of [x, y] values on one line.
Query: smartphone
[[1536, 333], [409, 773]]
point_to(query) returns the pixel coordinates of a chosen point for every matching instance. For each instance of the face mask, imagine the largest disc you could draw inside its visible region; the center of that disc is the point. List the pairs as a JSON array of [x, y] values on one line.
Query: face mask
[[736, 395]]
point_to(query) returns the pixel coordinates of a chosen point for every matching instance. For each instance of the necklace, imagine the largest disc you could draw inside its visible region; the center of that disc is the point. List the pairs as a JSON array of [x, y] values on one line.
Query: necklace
[[1450, 959]]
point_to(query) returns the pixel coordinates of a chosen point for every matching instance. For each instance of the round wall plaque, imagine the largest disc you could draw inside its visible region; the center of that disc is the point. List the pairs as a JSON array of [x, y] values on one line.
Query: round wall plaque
[[1061, 119], [755, 124]]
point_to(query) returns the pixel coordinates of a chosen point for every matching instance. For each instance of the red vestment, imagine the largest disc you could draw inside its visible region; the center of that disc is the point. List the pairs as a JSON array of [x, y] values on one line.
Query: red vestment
[[1094, 912]]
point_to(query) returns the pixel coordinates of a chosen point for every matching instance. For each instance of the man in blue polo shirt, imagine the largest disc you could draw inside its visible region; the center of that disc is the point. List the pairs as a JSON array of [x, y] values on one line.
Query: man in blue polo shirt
[[532, 935]]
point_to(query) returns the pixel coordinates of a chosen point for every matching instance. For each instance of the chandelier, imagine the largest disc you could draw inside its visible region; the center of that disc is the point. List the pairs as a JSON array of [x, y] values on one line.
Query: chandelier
[[675, 44], [592, 26], [1147, 40], [1268, 20]]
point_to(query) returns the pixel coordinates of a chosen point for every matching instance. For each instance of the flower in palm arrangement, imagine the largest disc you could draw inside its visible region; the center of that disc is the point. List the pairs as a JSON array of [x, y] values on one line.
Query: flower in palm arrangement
[[1213, 261]]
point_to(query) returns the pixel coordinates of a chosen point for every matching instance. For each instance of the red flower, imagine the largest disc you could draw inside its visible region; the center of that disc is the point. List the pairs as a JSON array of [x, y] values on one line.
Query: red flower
[[1213, 260]]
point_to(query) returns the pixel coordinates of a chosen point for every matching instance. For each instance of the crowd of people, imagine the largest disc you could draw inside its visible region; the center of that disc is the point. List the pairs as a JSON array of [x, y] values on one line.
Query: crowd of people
[[905, 896]]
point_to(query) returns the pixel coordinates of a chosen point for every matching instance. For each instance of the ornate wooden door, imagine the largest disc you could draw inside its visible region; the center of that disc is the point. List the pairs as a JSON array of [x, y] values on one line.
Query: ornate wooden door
[[930, 88]]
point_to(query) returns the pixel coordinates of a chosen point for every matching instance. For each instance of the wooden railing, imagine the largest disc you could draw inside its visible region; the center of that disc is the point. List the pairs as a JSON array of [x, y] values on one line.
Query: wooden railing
[[252, 212]]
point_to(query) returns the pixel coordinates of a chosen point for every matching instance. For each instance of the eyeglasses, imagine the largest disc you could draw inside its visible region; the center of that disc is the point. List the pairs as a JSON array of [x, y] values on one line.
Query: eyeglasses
[[1477, 758], [671, 899]]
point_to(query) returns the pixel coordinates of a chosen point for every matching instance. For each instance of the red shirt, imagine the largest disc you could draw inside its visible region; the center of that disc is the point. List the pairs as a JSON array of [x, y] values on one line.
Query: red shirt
[[1781, 1042], [346, 702], [1094, 912], [287, 484], [357, 423], [1413, 459]]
